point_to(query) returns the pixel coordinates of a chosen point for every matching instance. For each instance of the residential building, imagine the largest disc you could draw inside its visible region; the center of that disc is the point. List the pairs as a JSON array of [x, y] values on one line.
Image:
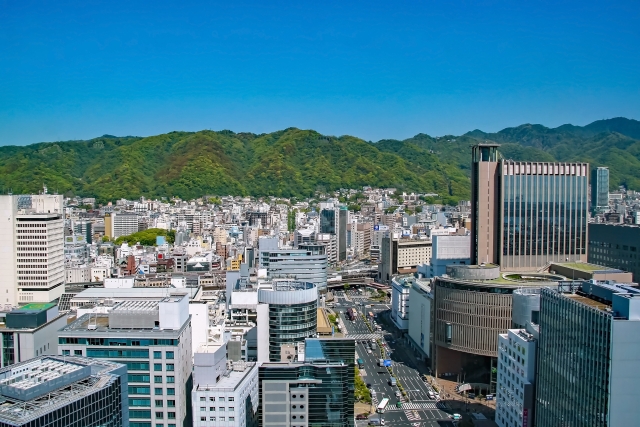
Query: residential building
[[30, 331], [124, 224], [616, 246], [600, 189], [32, 253], [314, 390], [588, 353], [224, 392], [51, 391], [308, 263], [286, 314], [153, 339], [420, 323], [515, 397], [549, 198]]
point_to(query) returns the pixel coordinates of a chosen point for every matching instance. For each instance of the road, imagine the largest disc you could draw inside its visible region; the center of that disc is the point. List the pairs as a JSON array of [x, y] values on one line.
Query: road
[[418, 409]]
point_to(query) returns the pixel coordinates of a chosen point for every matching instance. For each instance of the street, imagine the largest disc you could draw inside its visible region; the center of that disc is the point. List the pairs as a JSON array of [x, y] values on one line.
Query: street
[[418, 409]]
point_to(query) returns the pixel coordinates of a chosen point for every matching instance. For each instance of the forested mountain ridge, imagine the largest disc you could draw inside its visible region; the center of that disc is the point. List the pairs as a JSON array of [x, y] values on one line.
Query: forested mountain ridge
[[294, 162]]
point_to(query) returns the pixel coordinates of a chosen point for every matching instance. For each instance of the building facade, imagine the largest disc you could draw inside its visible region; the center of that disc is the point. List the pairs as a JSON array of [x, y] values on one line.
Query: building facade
[[32, 253], [616, 246], [153, 339], [286, 315], [420, 321], [515, 396], [527, 214], [124, 224], [400, 288], [600, 189], [587, 356], [51, 391], [315, 391]]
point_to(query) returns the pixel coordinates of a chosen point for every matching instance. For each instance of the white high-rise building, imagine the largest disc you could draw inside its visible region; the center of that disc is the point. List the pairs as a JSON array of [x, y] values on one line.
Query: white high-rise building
[[31, 248]]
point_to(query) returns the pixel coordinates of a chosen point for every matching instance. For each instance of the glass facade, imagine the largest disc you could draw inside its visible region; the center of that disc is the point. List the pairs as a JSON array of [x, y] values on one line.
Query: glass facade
[[600, 188], [544, 213], [8, 349], [100, 409], [290, 323], [573, 362]]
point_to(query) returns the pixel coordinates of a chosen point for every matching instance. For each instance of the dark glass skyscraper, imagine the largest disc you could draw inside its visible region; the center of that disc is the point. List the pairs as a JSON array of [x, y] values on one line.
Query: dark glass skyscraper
[[600, 188]]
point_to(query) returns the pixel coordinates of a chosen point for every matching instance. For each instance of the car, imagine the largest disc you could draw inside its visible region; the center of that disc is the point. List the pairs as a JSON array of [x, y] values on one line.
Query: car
[[368, 385], [398, 394], [369, 351], [361, 417], [472, 395], [456, 416]]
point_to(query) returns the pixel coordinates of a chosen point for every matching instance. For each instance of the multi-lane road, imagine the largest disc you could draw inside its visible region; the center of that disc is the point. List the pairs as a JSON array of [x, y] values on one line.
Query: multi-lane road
[[418, 409]]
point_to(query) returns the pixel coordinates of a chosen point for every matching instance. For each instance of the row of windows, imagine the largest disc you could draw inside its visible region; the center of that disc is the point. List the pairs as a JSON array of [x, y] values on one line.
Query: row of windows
[[122, 342], [213, 399], [219, 418], [220, 409]]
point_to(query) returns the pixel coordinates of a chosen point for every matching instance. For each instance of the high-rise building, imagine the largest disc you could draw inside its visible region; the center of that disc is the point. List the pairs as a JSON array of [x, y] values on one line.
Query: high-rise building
[[224, 392], [84, 228], [153, 339], [515, 394], [286, 315], [527, 214], [588, 354], [308, 263], [51, 391], [334, 221], [315, 390], [600, 188], [32, 250]]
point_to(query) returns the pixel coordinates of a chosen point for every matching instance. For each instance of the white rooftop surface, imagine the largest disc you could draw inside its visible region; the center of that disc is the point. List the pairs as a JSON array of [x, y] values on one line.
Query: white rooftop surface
[[123, 293], [41, 371], [231, 381]]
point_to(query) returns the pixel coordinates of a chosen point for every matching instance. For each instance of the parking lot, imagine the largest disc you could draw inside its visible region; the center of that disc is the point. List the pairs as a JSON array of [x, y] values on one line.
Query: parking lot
[[417, 409]]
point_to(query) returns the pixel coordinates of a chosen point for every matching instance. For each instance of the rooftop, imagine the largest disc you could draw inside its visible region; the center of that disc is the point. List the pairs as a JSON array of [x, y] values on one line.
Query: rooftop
[[232, 378], [586, 267]]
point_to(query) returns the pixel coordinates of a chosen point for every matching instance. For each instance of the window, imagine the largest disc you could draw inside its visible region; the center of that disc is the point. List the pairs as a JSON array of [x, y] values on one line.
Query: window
[[169, 355], [171, 415], [171, 379], [170, 367], [221, 409], [157, 355], [139, 414], [232, 418], [231, 399], [231, 408], [212, 408], [157, 366], [171, 391], [159, 403], [212, 418], [221, 399], [203, 418], [158, 392], [159, 414], [171, 403], [212, 399], [157, 379], [66, 352], [203, 399], [139, 402], [77, 352]]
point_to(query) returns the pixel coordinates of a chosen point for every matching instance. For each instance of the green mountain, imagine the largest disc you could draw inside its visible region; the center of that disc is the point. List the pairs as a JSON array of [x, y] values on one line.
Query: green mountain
[[295, 162]]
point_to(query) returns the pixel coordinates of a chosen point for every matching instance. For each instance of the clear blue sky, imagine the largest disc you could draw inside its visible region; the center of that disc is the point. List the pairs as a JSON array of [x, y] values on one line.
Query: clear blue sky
[[76, 70]]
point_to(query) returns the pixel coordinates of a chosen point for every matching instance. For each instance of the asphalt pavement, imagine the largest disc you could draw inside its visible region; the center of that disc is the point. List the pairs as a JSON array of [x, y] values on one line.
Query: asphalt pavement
[[418, 409]]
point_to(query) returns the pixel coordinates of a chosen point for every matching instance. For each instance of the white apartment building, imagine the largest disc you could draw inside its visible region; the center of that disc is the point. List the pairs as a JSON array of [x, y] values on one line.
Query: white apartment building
[[124, 224], [224, 393], [32, 250], [400, 288], [152, 337], [516, 377]]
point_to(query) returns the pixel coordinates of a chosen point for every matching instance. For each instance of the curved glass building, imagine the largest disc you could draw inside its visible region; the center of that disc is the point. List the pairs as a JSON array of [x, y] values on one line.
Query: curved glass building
[[287, 314]]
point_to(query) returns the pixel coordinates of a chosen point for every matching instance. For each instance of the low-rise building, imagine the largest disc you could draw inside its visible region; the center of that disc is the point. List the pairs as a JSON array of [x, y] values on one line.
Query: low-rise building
[[420, 333]]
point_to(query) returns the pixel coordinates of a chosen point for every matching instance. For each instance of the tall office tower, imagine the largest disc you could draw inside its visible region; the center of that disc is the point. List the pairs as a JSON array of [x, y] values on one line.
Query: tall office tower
[[153, 338], [124, 224], [53, 391], [334, 221], [308, 263], [32, 249], [287, 313], [600, 188], [588, 354], [316, 390], [224, 392], [527, 214]]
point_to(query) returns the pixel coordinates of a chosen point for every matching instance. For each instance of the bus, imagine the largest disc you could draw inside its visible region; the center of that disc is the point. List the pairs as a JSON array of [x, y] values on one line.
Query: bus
[[360, 363], [382, 406]]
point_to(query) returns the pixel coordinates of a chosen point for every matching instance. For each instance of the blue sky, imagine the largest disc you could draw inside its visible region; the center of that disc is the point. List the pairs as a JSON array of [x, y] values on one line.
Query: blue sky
[[76, 70]]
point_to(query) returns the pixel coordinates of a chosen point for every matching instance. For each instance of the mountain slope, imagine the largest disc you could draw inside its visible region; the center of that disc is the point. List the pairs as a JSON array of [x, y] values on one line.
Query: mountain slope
[[294, 162]]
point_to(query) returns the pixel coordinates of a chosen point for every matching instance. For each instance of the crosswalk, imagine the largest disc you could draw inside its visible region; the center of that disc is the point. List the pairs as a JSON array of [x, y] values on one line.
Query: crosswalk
[[420, 405], [412, 415], [364, 337]]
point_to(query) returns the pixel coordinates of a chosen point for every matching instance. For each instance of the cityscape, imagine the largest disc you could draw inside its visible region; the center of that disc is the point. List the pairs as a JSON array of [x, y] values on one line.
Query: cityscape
[[319, 214]]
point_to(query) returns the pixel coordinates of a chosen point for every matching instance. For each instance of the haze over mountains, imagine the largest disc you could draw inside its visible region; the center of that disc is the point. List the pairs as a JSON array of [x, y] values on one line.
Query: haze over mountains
[[296, 163]]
